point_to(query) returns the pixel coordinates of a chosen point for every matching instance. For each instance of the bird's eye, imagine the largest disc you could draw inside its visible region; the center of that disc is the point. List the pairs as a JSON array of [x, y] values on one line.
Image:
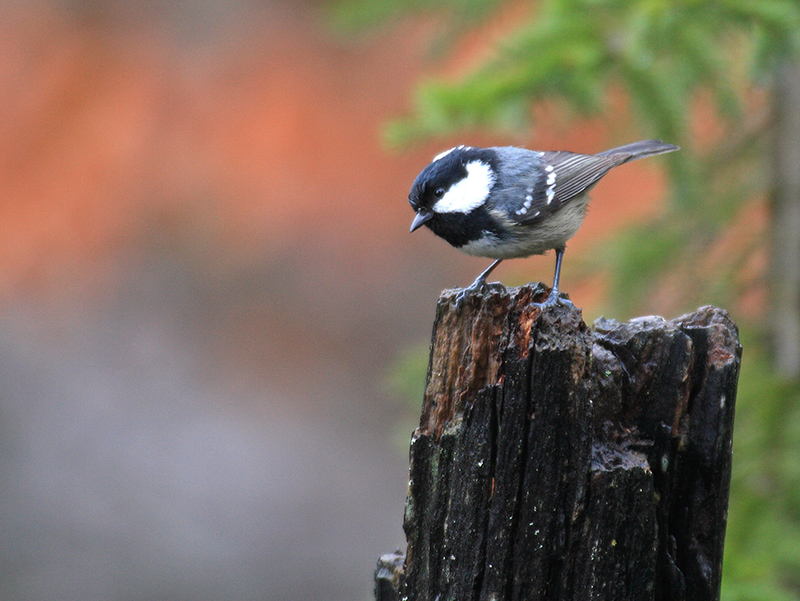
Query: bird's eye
[[438, 192]]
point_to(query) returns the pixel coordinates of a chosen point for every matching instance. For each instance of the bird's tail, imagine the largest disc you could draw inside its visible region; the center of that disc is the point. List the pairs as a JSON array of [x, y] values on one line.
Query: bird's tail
[[638, 150]]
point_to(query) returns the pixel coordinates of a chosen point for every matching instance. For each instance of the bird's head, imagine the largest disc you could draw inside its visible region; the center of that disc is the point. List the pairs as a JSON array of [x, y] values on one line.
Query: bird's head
[[458, 181]]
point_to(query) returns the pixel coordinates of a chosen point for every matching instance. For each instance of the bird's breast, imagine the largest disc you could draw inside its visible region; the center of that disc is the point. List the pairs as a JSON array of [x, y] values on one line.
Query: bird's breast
[[512, 240], [553, 231]]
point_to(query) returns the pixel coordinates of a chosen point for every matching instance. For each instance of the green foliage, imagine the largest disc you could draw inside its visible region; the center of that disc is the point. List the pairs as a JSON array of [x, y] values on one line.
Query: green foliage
[[664, 55], [574, 50], [354, 16], [405, 381], [762, 551]]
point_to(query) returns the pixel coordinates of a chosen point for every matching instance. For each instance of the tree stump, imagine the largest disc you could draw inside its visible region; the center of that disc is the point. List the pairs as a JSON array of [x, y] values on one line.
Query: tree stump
[[557, 462]]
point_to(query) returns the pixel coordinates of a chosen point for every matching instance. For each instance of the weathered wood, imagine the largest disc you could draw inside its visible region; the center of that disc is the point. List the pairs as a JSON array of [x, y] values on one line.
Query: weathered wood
[[388, 577], [559, 462]]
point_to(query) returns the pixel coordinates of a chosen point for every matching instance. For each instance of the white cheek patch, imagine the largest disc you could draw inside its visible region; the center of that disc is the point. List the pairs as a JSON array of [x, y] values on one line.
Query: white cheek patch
[[470, 192]]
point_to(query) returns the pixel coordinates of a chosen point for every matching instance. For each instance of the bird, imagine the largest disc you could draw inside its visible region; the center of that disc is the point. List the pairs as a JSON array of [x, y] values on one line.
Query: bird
[[508, 202]]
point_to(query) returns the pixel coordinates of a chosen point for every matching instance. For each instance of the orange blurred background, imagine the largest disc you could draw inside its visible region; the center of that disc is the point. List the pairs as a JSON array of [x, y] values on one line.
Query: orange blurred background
[[205, 272]]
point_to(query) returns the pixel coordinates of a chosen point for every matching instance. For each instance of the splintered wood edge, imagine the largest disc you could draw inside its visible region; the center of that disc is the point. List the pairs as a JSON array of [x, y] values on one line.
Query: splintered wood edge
[[469, 342]]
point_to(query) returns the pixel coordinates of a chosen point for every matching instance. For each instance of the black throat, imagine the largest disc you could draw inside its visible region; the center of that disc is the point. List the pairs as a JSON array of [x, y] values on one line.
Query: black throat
[[461, 228]]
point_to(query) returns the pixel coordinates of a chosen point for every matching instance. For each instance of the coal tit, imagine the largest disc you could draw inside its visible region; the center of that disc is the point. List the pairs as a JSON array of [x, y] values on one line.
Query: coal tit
[[507, 202]]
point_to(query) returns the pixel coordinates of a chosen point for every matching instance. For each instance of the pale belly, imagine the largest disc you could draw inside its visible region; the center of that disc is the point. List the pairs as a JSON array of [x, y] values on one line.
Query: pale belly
[[533, 240]]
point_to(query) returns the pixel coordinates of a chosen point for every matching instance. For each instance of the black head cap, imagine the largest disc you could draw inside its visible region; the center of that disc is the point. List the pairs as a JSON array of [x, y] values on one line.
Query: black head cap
[[457, 181]]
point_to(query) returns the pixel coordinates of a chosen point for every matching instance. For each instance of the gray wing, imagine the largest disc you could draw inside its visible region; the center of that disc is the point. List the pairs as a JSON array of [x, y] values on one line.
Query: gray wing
[[570, 175], [551, 180]]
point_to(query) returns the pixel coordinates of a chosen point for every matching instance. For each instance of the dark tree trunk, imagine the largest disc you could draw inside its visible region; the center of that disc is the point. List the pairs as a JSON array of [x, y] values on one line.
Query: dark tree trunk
[[556, 462]]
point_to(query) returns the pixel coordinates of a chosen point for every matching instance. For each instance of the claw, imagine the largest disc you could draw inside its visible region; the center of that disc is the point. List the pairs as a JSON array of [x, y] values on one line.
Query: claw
[[460, 298], [479, 285], [476, 286], [553, 299]]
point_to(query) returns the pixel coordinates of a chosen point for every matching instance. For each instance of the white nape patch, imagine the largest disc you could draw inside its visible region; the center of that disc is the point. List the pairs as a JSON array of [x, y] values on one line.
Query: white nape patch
[[441, 155], [468, 193]]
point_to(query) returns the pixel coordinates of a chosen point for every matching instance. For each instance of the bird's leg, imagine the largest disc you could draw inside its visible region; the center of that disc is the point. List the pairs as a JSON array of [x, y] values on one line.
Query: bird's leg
[[554, 298], [480, 281], [478, 284], [557, 275]]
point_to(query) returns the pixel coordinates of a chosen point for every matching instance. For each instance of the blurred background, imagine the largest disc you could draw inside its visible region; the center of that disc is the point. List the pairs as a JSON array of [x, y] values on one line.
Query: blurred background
[[213, 321]]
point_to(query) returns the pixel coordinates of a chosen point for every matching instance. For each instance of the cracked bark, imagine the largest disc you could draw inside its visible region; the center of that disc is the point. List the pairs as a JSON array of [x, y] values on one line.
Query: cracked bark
[[554, 461]]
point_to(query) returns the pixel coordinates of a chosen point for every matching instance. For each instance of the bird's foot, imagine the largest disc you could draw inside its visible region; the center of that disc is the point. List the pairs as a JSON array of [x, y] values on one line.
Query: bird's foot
[[554, 299], [479, 285]]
